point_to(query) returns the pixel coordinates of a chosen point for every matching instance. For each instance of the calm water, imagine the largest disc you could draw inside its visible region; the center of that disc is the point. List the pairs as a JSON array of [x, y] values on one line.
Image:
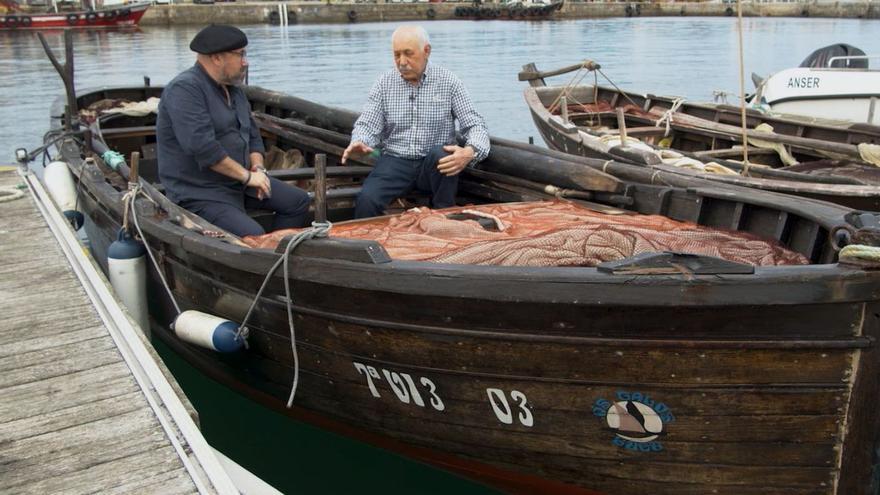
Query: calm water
[[336, 65]]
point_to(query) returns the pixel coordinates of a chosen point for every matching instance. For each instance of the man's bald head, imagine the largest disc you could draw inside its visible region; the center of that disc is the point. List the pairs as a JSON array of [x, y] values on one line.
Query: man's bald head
[[411, 48]]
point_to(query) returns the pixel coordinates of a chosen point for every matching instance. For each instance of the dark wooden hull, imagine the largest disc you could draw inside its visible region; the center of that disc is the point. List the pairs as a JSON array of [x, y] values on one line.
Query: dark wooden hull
[[578, 137], [759, 382]]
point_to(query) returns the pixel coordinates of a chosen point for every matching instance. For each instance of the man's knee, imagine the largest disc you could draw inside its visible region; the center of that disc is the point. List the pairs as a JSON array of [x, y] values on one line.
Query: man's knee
[[435, 154], [369, 203], [291, 200]]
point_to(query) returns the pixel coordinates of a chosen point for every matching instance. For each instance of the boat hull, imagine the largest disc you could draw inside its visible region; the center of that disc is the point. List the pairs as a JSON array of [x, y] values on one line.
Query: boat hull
[[841, 94], [530, 378]]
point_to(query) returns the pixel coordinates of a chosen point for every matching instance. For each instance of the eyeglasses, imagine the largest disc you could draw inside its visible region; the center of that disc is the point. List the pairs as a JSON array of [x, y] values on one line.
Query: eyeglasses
[[241, 54]]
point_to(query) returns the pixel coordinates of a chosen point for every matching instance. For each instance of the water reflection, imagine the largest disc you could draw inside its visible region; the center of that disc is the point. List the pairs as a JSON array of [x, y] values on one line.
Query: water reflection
[[337, 64]]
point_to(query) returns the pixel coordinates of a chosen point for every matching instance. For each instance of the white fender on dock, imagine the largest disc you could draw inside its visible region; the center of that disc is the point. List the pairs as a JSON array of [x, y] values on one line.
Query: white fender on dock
[[59, 182], [127, 267], [208, 331]]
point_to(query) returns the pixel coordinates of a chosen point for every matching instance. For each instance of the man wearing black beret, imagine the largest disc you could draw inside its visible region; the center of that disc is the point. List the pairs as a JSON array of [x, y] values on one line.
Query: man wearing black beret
[[209, 147]]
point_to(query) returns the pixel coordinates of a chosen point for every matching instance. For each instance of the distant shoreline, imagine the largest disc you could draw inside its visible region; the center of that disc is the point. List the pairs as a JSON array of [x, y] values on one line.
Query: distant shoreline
[[333, 13]]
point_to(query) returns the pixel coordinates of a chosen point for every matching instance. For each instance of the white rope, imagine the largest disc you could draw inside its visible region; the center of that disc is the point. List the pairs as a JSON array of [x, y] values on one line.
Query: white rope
[[860, 254], [10, 193], [667, 115]]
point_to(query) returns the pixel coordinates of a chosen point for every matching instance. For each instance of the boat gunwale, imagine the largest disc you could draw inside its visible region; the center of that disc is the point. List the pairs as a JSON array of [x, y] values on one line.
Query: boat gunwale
[[828, 279]]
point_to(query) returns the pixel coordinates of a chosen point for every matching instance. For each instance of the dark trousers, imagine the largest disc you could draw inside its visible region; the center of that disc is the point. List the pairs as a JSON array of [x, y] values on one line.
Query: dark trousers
[[290, 204], [393, 177]]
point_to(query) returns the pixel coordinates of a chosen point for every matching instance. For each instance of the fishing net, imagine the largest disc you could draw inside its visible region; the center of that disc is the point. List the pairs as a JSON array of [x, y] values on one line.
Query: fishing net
[[541, 234]]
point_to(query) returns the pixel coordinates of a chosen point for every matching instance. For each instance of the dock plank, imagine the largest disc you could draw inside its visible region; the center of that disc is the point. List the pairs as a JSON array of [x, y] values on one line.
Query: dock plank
[[73, 419], [74, 335], [43, 397], [124, 401]]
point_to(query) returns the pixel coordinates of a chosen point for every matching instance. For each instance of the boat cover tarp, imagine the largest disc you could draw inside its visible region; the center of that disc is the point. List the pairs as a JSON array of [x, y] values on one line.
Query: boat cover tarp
[[820, 57], [551, 233]]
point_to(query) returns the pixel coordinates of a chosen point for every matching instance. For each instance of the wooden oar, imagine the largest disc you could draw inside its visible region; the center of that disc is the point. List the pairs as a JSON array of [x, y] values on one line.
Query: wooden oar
[[529, 75]]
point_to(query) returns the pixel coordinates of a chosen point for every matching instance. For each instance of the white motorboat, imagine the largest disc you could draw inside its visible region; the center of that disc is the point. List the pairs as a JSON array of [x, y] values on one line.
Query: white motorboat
[[834, 82]]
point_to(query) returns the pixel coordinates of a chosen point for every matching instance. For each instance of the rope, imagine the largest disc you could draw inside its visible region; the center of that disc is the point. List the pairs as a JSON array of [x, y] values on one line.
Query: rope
[[620, 91], [860, 254], [317, 230], [667, 115], [10, 193], [133, 191], [742, 87], [566, 90]]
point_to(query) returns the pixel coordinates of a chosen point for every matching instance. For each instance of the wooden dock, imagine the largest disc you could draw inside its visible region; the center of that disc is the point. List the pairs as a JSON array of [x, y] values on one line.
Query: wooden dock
[[84, 406]]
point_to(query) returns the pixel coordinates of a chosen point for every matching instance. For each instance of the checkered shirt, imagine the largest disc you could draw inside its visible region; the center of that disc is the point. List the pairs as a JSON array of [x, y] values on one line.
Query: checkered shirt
[[407, 120]]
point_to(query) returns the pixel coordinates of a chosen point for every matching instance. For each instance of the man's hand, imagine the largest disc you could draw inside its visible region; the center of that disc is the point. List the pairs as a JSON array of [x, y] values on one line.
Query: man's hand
[[355, 147], [454, 163], [260, 181]]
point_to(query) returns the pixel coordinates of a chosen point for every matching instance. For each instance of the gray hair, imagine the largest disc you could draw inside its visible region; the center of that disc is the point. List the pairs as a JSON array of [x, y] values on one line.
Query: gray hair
[[413, 30]]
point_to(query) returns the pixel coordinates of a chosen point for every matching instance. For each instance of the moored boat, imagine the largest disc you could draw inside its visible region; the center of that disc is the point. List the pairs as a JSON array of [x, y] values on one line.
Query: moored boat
[[111, 17], [685, 373], [514, 9], [833, 82], [700, 140]]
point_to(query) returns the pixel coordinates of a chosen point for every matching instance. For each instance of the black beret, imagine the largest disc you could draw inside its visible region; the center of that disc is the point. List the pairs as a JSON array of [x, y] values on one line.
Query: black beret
[[218, 38]]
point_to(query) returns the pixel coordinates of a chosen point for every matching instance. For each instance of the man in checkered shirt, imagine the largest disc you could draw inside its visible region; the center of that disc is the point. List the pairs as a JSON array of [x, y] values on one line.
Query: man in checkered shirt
[[411, 113]]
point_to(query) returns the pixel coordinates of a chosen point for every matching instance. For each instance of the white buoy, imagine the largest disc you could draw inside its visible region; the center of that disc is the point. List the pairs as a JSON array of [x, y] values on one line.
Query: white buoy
[[127, 266], [60, 184], [208, 331]]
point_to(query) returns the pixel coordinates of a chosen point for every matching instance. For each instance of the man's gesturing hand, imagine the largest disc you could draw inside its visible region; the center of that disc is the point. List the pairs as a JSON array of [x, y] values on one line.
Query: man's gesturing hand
[[355, 147]]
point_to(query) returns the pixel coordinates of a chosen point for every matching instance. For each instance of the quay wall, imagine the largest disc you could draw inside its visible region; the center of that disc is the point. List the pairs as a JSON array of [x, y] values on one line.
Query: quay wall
[[313, 12]]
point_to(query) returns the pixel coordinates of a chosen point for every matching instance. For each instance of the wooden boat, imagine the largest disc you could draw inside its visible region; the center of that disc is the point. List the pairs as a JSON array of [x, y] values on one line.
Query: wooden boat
[[664, 373], [800, 157], [111, 17]]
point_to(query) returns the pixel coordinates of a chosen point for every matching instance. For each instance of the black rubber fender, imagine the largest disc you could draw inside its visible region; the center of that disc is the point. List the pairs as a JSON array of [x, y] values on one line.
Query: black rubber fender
[[91, 17], [431, 13], [728, 11], [25, 21], [352, 15], [274, 18]]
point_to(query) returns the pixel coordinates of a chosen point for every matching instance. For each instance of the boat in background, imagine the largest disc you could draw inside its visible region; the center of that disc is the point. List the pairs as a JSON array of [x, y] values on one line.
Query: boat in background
[[511, 9], [704, 140], [834, 82], [126, 15]]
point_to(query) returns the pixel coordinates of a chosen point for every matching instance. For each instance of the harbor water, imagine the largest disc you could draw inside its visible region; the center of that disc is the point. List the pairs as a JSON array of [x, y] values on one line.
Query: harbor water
[[336, 65]]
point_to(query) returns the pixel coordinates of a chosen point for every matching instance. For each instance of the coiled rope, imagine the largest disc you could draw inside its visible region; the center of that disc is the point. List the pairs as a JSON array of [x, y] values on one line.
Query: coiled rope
[[860, 254]]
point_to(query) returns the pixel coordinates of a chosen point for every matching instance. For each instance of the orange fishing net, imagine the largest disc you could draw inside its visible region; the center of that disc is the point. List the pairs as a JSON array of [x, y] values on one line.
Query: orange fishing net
[[556, 233]]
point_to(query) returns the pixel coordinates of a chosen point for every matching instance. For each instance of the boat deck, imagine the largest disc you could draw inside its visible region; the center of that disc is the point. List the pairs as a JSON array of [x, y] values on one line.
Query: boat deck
[[84, 405]]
